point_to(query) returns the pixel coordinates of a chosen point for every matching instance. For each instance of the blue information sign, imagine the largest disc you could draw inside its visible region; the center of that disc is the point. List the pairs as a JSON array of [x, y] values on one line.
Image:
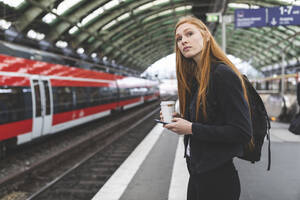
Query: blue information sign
[[250, 18], [284, 15], [274, 16]]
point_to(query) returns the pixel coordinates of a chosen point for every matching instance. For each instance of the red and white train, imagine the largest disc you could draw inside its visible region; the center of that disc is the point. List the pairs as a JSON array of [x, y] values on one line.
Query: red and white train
[[40, 97]]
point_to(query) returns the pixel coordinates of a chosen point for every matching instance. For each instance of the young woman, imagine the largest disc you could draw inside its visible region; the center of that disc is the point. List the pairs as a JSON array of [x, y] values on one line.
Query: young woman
[[215, 117]]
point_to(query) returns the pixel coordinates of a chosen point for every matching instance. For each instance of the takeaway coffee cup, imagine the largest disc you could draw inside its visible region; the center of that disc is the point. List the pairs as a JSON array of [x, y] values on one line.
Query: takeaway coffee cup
[[167, 109]]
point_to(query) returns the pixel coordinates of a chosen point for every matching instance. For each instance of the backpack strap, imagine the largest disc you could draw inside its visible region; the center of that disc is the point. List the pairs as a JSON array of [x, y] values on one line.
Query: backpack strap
[[269, 145]]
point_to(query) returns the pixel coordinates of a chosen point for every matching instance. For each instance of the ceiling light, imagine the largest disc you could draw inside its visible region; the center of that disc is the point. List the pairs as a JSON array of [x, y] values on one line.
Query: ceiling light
[[49, 18], [94, 55], [61, 44], [35, 35], [80, 50], [4, 24]]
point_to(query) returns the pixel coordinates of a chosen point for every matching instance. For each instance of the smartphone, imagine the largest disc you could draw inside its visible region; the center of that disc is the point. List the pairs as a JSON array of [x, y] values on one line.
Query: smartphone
[[158, 121]]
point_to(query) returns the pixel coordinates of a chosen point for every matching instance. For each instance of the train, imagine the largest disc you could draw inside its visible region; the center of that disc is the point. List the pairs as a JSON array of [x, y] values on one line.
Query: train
[[40, 94], [281, 106]]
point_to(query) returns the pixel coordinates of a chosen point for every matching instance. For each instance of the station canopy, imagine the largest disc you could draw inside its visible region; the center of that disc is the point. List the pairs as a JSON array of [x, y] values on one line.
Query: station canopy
[[136, 33]]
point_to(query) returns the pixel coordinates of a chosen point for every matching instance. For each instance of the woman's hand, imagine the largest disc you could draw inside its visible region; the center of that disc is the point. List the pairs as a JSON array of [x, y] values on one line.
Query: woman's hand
[[161, 116], [175, 114], [180, 126]]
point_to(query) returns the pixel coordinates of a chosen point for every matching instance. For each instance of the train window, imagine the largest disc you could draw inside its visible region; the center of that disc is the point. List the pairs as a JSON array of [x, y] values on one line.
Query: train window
[[105, 94], [62, 99], [38, 106], [82, 97], [15, 104], [95, 96], [124, 93], [47, 94]]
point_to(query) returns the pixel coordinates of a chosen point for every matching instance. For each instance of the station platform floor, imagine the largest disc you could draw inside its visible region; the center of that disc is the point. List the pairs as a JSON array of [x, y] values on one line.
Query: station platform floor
[[156, 170]]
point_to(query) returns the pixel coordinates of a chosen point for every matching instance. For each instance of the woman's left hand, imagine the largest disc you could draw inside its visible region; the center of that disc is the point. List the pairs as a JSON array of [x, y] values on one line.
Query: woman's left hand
[[180, 126]]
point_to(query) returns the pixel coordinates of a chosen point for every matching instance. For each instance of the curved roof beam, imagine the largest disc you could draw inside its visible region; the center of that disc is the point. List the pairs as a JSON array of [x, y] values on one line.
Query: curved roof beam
[[242, 53], [164, 51], [260, 44], [109, 17], [250, 49], [146, 45], [75, 16], [262, 3], [122, 27], [275, 57], [152, 56], [151, 48], [134, 19], [139, 40], [246, 38], [66, 20], [138, 34], [165, 38], [32, 13]]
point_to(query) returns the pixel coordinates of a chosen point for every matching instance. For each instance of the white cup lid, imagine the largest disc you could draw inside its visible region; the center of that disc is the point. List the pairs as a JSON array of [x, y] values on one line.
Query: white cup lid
[[165, 103]]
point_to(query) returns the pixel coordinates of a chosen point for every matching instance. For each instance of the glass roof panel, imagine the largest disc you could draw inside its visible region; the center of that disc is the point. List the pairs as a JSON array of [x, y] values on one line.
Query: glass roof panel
[[111, 4], [182, 8], [61, 8], [166, 12], [124, 16], [13, 3], [107, 26], [73, 30], [151, 4], [93, 15]]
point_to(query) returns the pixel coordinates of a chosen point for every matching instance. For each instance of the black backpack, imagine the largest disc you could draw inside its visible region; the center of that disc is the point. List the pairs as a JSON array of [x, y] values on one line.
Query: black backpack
[[260, 124]]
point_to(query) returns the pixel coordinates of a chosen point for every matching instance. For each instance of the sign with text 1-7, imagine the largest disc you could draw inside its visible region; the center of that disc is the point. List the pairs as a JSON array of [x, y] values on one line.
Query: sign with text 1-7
[[274, 16], [284, 15], [244, 18]]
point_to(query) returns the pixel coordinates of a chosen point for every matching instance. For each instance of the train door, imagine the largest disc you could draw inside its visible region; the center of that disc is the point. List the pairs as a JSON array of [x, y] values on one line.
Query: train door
[[46, 104], [42, 118]]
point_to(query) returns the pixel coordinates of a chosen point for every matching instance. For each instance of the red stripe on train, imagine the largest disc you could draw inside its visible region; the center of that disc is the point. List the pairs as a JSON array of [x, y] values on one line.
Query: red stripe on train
[[14, 81], [22, 65], [15, 128], [55, 82], [150, 97], [129, 101], [76, 114]]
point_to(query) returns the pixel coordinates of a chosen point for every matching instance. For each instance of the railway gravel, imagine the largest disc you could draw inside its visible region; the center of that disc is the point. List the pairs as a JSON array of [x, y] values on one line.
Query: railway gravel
[[28, 155]]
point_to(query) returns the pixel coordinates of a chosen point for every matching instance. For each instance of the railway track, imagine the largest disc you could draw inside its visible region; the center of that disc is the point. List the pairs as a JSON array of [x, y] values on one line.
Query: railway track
[[54, 169]]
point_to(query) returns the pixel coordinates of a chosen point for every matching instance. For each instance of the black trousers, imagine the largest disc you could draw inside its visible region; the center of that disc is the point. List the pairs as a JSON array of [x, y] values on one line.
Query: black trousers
[[222, 183]]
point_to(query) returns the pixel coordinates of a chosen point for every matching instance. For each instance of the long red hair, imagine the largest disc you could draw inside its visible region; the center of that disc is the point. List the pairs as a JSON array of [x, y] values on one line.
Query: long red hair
[[187, 67]]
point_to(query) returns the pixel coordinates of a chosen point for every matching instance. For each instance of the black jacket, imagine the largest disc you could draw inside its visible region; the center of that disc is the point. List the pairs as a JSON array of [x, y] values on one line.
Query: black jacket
[[228, 128]]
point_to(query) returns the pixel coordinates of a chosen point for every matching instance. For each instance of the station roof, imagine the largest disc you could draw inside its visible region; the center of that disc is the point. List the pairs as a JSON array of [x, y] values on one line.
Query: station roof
[[136, 33]]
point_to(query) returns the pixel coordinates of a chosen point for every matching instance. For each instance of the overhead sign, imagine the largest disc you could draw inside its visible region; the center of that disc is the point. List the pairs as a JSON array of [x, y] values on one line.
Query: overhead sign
[[274, 16], [284, 15], [250, 18], [212, 18]]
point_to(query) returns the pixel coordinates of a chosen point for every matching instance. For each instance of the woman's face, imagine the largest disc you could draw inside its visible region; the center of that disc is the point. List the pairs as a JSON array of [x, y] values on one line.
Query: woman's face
[[189, 40]]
